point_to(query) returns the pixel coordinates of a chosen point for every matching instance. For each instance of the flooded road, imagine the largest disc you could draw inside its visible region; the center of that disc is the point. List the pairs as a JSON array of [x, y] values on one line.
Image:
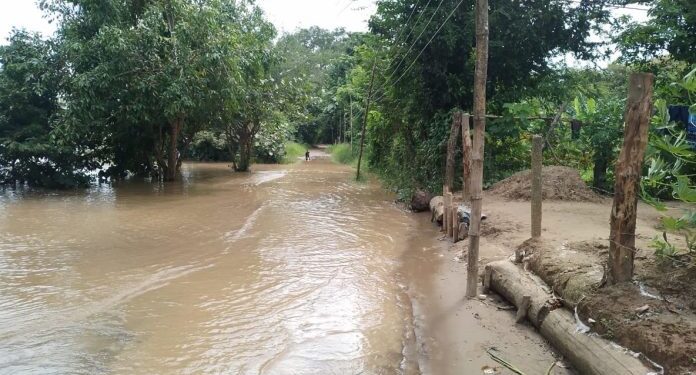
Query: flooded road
[[291, 269]]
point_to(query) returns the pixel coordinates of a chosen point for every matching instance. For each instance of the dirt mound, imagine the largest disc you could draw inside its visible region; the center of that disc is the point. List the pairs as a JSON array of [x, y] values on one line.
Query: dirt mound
[[559, 183], [654, 315]]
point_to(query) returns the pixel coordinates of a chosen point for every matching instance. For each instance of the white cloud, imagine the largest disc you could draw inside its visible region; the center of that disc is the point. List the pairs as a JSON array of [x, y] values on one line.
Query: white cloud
[[288, 15], [22, 14]]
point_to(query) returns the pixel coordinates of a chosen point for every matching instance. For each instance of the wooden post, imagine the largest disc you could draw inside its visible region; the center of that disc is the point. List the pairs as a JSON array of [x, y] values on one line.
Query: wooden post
[[622, 237], [537, 161], [451, 151], [445, 214], [466, 160], [351, 125], [364, 125], [480, 78], [454, 220], [449, 201], [455, 224]]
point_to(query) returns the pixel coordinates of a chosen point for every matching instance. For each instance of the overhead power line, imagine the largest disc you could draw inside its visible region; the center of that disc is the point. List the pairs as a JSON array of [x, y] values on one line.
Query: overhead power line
[[423, 49], [417, 38], [613, 6], [403, 28]]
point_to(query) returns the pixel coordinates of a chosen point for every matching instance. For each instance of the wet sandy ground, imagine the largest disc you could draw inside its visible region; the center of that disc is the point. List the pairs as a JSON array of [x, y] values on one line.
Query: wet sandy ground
[[288, 270]]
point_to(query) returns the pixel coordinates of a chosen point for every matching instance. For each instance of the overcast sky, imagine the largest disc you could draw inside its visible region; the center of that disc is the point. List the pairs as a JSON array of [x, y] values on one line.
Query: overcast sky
[[287, 15]]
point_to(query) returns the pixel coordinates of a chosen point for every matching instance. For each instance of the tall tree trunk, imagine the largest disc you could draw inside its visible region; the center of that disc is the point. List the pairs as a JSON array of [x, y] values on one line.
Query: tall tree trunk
[[622, 237], [246, 140], [173, 153], [480, 78]]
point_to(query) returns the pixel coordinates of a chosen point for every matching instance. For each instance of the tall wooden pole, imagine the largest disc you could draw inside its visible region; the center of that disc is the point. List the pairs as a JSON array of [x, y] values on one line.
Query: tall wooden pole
[[537, 147], [451, 151], [364, 125], [351, 124], [480, 78], [466, 159], [622, 237]]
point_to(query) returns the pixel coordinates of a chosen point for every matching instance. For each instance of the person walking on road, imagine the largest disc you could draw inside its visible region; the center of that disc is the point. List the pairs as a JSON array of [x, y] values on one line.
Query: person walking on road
[[306, 156]]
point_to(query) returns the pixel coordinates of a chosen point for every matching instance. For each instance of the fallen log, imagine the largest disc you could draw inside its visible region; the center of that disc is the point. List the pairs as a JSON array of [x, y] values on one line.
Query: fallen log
[[590, 355]]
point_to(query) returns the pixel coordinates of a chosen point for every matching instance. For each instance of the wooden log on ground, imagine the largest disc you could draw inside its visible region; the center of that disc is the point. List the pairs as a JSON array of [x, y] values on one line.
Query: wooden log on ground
[[622, 237], [589, 355], [537, 147]]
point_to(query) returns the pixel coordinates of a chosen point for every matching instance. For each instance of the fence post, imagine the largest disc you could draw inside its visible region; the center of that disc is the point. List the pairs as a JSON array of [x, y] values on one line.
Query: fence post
[[466, 158], [448, 204], [537, 162], [445, 209], [451, 151], [622, 237], [455, 224]]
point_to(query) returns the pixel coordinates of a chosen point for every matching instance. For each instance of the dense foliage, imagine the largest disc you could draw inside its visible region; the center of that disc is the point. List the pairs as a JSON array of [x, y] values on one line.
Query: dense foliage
[[125, 87], [30, 82], [133, 87]]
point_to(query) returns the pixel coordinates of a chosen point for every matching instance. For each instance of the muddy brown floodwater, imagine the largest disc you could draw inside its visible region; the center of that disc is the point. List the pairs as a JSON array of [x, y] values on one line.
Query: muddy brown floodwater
[[289, 270]]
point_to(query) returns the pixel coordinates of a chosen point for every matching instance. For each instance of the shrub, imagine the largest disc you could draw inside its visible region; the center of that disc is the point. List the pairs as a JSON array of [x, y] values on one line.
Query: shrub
[[294, 151], [341, 153]]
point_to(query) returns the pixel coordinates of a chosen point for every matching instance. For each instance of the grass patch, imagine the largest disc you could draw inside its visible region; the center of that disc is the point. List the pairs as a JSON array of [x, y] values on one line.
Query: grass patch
[[341, 153], [293, 152]]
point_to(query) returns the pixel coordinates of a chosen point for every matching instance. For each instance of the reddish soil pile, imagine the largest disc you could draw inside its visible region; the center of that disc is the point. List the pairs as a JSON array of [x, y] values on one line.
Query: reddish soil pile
[[558, 183]]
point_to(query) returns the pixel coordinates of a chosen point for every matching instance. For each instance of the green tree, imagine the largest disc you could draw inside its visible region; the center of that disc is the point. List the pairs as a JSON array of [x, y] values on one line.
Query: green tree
[[430, 74], [147, 75], [671, 28], [30, 72]]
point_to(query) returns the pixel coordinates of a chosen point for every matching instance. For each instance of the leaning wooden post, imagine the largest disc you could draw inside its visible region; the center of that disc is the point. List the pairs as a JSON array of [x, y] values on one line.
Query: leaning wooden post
[[451, 152], [537, 147], [448, 213], [466, 158], [622, 237], [480, 76], [364, 125]]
